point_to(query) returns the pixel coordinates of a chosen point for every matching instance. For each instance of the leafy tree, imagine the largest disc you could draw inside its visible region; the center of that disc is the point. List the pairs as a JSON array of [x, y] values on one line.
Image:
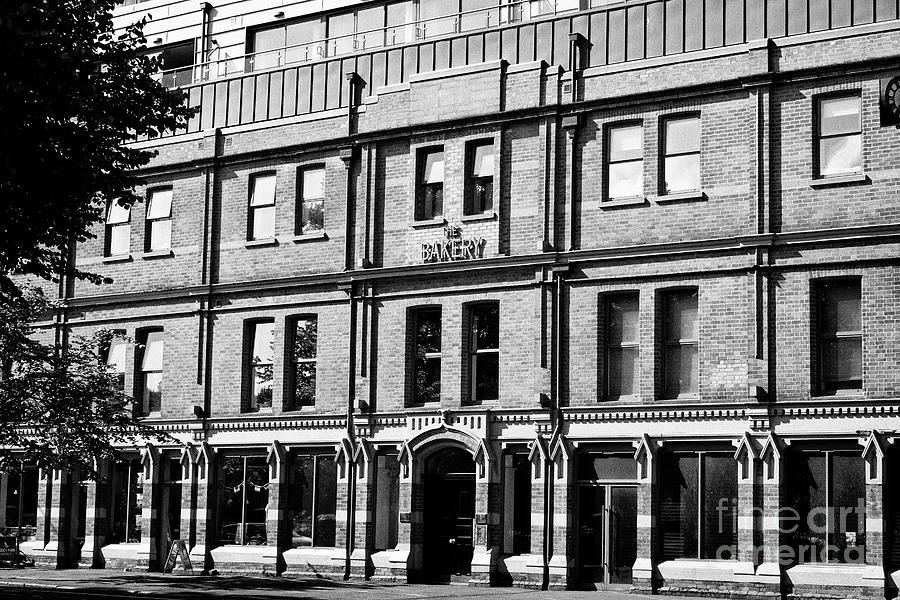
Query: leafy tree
[[74, 92], [59, 407]]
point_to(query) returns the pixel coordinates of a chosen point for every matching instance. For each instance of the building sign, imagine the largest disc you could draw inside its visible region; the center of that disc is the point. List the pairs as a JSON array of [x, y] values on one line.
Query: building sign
[[453, 247]]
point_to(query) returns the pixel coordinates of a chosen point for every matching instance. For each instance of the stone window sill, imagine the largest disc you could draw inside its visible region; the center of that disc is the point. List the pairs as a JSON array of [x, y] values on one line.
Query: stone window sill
[[117, 258], [487, 215], [822, 182], [157, 254], [310, 237], [624, 201], [839, 394], [261, 243], [435, 222], [682, 196]]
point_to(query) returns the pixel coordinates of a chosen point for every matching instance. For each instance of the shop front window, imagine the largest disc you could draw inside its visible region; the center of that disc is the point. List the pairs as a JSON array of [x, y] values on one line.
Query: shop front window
[[312, 499], [245, 499]]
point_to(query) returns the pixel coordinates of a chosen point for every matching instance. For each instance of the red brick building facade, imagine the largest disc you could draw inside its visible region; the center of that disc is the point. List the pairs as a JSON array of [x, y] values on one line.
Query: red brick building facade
[[571, 297]]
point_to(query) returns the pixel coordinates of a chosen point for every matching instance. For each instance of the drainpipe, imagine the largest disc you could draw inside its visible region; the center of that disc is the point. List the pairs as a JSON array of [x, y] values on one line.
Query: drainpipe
[[205, 8]]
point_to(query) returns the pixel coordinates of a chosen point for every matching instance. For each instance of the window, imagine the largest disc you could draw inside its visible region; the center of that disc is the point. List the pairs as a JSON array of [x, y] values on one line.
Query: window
[[625, 161], [312, 500], [177, 63], [118, 230], [21, 501], [150, 376], [680, 343], [311, 213], [839, 136], [245, 499], [622, 346], [517, 504], [698, 505], [262, 207], [479, 178], [681, 164], [484, 352], [260, 364], [387, 501], [303, 361], [127, 501], [840, 335], [427, 359], [159, 220], [115, 359], [430, 186], [825, 512]]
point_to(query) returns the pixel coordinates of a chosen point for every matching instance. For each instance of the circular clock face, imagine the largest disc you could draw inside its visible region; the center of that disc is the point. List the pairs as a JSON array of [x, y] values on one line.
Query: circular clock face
[[892, 96]]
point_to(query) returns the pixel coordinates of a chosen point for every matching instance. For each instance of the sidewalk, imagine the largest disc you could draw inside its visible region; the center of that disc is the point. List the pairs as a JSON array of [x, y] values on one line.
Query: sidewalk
[[81, 583]]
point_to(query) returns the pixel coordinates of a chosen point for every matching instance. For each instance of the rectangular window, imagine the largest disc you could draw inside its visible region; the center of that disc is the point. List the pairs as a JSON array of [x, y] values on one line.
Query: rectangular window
[[159, 220], [517, 504], [387, 501], [698, 505], [622, 345], [625, 162], [484, 352], [680, 343], [262, 207], [118, 230], [430, 184], [370, 27], [839, 136], [427, 367], [115, 359], [21, 501], [127, 501], [479, 177], [828, 492], [260, 364], [304, 341], [840, 335], [312, 500], [151, 372], [311, 210], [681, 163], [245, 498]]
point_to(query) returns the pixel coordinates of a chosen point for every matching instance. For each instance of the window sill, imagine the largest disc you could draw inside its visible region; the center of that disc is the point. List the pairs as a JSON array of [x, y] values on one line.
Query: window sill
[[262, 411], [680, 398], [435, 222], [157, 254], [154, 415], [261, 243], [310, 237], [488, 215], [682, 196], [626, 201], [300, 409], [842, 394], [117, 258], [821, 182]]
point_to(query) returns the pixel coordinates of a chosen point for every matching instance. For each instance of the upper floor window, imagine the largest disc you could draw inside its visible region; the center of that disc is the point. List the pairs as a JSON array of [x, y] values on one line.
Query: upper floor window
[[430, 184], [622, 345], [680, 343], [151, 372], [118, 230], [261, 337], [311, 210], [262, 207], [681, 163], [479, 177], [484, 352], [159, 220], [839, 136], [625, 161], [115, 360], [427, 359], [304, 344], [840, 335]]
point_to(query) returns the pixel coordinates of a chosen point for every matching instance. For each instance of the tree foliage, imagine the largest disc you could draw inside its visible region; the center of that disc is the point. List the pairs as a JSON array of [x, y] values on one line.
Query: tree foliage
[[60, 407], [74, 91]]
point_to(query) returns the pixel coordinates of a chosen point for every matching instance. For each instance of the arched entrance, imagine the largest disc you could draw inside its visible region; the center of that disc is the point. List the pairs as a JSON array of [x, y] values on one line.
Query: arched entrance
[[449, 512]]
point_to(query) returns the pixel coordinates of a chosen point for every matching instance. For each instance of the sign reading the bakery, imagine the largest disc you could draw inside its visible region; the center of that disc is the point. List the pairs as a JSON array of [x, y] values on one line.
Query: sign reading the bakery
[[453, 247]]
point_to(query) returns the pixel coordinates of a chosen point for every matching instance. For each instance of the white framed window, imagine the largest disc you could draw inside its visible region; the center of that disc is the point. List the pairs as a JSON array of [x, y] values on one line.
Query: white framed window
[[151, 372], [118, 230], [262, 207], [311, 209], [838, 136], [625, 161], [681, 149], [159, 220], [260, 364]]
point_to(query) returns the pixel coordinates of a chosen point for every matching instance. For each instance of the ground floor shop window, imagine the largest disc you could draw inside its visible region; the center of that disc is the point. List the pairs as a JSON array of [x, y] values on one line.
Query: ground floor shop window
[[21, 499], [698, 505], [312, 500], [387, 501], [127, 483], [824, 515], [517, 504], [245, 497]]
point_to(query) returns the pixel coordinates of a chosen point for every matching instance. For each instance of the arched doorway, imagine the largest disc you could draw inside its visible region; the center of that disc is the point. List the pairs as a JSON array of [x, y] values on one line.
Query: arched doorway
[[448, 516]]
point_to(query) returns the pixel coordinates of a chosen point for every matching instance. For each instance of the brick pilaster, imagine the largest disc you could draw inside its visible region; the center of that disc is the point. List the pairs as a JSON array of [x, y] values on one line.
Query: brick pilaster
[[562, 513], [644, 579]]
